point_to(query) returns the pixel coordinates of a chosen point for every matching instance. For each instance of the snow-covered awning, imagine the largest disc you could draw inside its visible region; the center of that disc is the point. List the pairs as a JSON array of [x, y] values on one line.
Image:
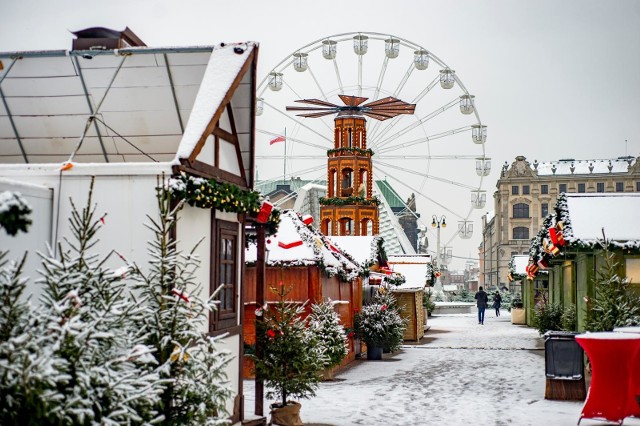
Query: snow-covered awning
[[363, 249], [299, 244]]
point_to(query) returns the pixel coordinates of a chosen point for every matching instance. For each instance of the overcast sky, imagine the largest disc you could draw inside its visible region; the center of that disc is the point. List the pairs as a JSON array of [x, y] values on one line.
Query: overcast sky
[[552, 79]]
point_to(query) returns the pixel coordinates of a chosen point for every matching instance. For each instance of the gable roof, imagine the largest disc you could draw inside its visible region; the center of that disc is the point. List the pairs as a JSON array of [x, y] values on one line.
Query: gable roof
[[128, 105], [299, 244]]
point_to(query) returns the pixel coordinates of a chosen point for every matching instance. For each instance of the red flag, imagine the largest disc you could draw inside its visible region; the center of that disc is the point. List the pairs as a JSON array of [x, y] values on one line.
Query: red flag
[[277, 139]]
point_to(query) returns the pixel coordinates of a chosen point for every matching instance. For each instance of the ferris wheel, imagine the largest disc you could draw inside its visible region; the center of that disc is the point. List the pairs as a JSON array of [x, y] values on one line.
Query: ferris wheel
[[438, 153]]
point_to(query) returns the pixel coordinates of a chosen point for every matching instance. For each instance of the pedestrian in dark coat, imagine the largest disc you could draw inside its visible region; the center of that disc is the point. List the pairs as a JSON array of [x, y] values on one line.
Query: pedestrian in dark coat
[[482, 302], [497, 301]]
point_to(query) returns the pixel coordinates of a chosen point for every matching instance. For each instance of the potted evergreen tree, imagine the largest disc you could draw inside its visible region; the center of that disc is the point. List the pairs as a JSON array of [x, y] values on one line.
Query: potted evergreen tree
[[380, 326], [291, 357], [324, 322]]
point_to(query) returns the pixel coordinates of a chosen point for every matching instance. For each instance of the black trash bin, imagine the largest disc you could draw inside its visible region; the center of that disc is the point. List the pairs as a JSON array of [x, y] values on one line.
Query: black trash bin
[[564, 366]]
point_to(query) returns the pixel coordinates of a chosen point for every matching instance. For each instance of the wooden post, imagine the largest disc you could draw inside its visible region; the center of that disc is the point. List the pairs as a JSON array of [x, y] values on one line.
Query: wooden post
[[260, 286]]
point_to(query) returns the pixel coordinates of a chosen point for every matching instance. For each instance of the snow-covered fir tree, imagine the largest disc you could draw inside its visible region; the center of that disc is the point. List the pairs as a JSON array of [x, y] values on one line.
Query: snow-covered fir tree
[[614, 304], [324, 322], [80, 355], [175, 320], [291, 357]]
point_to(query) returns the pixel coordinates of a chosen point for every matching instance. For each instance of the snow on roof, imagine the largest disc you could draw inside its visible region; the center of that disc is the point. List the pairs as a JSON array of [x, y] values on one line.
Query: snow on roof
[[520, 262], [616, 213], [363, 249], [298, 244], [413, 267], [581, 167], [224, 66]]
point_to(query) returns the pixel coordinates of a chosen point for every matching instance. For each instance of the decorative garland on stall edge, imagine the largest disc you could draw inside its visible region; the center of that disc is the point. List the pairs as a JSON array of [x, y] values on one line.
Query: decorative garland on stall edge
[[353, 150], [211, 194], [338, 201]]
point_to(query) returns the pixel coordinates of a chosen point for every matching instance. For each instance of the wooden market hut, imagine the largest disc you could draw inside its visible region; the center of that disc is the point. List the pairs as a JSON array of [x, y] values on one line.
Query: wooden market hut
[[133, 118], [532, 289], [571, 245], [410, 293], [315, 269]]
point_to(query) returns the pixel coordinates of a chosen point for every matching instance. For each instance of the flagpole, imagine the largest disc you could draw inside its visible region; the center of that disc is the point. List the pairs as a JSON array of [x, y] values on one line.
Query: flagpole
[[284, 169]]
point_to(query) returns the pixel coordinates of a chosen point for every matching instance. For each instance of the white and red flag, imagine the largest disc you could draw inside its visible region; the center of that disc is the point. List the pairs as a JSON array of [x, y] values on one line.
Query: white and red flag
[[277, 139]]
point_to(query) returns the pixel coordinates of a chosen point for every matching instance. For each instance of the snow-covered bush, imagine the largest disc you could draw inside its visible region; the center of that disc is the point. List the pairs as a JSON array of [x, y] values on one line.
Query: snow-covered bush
[[380, 324], [547, 317], [324, 322]]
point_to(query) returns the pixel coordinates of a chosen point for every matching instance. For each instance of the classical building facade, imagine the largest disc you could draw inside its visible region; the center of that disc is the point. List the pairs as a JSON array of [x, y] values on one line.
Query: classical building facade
[[525, 192]]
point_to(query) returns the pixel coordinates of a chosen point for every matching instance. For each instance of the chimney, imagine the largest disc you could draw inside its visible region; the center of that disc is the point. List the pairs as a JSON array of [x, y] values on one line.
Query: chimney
[[99, 38]]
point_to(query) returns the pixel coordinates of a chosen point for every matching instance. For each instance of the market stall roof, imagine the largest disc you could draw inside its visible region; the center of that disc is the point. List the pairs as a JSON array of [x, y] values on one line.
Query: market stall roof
[[413, 267], [136, 104], [615, 213], [299, 244]]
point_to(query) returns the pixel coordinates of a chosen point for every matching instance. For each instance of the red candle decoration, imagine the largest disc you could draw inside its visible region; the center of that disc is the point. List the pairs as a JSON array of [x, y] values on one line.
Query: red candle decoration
[[265, 211]]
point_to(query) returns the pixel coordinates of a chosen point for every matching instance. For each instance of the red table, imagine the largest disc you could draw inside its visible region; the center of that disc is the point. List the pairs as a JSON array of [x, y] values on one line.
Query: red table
[[613, 357], [635, 372]]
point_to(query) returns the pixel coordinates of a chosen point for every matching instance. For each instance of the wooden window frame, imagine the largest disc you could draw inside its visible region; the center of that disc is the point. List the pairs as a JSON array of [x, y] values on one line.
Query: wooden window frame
[[224, 231]]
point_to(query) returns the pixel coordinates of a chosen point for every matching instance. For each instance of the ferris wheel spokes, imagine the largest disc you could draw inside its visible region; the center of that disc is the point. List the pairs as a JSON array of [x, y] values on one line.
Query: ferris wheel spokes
[[427, 176], [425, 139]]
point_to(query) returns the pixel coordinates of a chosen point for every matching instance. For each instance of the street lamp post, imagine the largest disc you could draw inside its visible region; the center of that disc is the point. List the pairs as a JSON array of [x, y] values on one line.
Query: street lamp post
[[438, 223]]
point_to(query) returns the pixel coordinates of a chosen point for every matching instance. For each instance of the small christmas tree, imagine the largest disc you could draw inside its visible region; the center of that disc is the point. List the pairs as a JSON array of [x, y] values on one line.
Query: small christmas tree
[[614, 305], [79, 356], [324, 322], [291, 355], [196, 386]]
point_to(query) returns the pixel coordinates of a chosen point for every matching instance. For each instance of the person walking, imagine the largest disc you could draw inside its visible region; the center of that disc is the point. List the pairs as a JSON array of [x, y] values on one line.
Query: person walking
[[482, 301], [497, 301]]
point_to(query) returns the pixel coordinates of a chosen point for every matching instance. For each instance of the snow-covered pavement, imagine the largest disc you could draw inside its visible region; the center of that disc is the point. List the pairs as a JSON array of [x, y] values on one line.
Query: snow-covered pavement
[[461, 373]]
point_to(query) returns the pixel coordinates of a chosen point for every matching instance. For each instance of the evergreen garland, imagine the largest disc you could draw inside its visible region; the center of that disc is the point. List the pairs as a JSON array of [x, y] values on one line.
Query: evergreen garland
[[347, 201], [352, 150], [226, 197]]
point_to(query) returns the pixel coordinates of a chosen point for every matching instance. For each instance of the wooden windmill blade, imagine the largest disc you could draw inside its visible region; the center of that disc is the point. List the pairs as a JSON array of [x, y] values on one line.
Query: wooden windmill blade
[[317, 114], [316, 102], [297, 108]]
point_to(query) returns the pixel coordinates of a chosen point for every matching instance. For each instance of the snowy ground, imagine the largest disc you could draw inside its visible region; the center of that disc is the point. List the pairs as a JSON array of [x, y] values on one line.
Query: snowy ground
[[461, 373]]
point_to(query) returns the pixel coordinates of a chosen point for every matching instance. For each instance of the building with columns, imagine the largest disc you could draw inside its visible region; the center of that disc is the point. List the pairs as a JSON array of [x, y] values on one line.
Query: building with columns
[[524, 194]]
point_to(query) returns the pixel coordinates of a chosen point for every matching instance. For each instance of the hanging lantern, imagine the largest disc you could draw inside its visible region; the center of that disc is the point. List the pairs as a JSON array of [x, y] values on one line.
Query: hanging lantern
[[275, 81], [483, 166], [300, 62], [360, 44], [392, 47], [465, 229], [479, 133], [478, 199], [259, 106], [447, 78], [421, 59], [466, 104], [329, 49]]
